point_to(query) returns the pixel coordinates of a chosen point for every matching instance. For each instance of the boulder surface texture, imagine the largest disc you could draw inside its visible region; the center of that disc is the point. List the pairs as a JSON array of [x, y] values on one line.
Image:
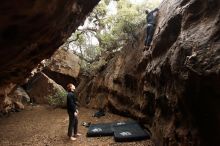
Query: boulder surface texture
[[43, 90], [31, 31], [63, 67]]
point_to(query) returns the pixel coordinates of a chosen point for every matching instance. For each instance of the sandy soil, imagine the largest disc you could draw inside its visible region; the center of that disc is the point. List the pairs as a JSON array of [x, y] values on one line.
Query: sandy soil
[[44, 126]]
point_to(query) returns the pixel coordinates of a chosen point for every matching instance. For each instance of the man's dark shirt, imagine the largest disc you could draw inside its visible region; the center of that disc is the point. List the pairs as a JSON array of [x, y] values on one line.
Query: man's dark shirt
[[71, 102], [151, 19]]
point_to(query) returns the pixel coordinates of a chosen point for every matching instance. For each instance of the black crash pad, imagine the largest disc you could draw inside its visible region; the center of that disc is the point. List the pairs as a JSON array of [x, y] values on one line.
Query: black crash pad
[[122, 131], [101, 129], [120, 123], [130, 132]]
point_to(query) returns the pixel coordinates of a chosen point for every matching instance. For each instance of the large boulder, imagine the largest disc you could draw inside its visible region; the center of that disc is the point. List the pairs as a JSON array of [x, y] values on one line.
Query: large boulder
[[43, 90], [31, 31], [14, 101], [183, 72], [20, 95], [5, 102], [63, 67], [174, 87]]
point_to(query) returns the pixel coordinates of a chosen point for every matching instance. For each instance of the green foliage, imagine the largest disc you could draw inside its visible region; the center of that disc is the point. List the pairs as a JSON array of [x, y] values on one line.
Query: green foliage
[[57, 99], [110, 30], [99, 65], [92, 51], [118, 28], [95, 67]]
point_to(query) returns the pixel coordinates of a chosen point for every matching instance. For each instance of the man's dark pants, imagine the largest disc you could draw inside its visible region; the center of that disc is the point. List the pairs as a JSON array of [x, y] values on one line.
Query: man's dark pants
[[150, 33], [73, 124]]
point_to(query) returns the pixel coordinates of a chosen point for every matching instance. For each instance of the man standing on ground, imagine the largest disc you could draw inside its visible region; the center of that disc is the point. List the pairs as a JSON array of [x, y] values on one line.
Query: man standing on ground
[[73, 112], [151, 23]]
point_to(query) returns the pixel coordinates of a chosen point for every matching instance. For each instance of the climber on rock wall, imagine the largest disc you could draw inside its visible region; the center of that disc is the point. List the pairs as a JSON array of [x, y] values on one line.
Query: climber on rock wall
[[151, 24]]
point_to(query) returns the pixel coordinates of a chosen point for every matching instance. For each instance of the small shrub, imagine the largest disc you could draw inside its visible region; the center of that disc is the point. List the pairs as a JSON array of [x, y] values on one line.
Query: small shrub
[[57, 99]]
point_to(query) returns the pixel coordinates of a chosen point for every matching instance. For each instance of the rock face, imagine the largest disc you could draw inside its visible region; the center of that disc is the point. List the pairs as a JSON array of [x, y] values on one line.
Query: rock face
[[174, 87], [18, 98], [31, 31], [44, 90], [63, 67], [20, 95], [4, 92], [14, 101]]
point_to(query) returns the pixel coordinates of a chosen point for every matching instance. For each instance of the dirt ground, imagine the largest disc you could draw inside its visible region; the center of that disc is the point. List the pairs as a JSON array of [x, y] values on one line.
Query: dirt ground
[[45, 126]]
